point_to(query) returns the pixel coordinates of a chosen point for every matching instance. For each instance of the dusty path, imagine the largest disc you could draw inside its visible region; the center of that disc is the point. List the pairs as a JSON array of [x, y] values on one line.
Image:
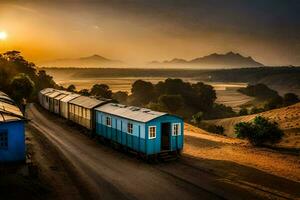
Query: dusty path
[[108, 174]]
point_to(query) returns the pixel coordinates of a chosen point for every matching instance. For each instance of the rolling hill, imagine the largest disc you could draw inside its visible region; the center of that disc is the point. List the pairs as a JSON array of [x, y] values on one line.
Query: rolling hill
[[228, 60], [288, 119]]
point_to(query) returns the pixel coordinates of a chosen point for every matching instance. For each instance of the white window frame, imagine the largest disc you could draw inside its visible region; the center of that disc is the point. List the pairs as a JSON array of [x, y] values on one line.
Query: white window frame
[[108, 119], [178, 131], [130, 129], [149, 132]]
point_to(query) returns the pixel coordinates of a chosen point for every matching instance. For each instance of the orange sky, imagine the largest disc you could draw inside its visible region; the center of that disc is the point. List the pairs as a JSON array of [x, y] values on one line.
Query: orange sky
[[137, 33]]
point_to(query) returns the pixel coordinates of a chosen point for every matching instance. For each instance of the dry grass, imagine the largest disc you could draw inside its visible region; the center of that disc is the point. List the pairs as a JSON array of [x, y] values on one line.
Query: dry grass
[[203, 145], [288, 119]]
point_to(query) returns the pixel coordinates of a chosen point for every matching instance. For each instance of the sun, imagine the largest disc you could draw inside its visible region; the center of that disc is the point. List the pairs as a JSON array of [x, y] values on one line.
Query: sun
[[3, 35]]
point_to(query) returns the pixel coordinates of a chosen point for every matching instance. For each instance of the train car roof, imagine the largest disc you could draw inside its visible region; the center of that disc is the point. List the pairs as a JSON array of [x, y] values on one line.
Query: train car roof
[[88, 102], [46, 90], [53, 94], [8, 110], [130, 112], [69, 97]]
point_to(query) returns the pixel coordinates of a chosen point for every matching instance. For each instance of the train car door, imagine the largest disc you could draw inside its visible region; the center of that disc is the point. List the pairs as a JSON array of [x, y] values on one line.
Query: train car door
[[165, 136]]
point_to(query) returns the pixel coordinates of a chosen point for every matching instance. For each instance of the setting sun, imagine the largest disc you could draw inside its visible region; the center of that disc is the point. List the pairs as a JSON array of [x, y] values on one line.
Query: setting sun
[[3, 35]]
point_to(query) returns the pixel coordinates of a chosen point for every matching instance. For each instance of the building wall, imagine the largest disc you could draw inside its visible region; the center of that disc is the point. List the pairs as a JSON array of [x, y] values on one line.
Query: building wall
[[118, 131], [16, 142]]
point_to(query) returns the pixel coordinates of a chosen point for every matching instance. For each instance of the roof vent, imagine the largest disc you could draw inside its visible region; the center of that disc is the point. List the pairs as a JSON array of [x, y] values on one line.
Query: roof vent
[[135, 109]]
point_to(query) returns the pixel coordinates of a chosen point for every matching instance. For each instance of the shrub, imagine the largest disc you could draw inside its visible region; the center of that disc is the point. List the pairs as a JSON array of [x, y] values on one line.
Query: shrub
[[243, 111], [197, 118], [259, 132], [290, 98], [171, 102]]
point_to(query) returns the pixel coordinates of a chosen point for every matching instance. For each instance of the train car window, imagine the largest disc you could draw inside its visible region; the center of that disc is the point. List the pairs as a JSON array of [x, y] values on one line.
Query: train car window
[[152, 132], [108, 121], [176, 129], [129, 128]]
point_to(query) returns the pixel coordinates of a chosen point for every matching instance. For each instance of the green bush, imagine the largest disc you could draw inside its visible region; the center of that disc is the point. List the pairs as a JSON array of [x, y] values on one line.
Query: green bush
[[259, 132]]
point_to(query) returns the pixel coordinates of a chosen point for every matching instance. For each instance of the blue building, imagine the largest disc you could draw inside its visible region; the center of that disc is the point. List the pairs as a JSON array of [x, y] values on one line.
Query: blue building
[[143, 130], [12, 131]]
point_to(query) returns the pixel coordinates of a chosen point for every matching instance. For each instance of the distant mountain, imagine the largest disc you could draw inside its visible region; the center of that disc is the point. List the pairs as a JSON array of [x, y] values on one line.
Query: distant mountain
[[228, 60], [90, 61]]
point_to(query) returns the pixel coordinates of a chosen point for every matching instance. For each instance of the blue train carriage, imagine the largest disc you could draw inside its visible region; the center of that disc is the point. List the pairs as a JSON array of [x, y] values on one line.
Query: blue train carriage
[[142, 130], [12, 131]]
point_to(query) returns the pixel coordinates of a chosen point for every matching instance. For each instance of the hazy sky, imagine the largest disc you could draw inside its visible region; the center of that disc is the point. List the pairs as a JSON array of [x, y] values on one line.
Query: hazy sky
[[137, 31]]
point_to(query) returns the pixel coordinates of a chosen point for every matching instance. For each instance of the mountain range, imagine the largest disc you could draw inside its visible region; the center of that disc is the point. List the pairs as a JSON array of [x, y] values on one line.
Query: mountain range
[[228, 60], [86, 62]]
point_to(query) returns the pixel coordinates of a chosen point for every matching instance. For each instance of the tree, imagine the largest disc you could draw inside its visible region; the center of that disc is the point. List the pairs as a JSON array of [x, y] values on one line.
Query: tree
[[120, 96], [21, 87], [259, 91], [243, 111], [44, 81], [197, 118], [219, 130], [206, 96], [142, 92], [259, 132], [290, 98], [256, 110], [71, 88], [171, 102], [84, 92], [273, 103], [101, 90]]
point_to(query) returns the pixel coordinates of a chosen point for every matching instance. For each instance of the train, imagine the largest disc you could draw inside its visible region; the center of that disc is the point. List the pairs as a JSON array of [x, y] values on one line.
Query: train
[[144, 131]]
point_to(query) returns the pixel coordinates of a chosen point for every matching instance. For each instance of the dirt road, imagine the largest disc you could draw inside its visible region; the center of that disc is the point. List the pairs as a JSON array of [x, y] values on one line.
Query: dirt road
[[103, 173]]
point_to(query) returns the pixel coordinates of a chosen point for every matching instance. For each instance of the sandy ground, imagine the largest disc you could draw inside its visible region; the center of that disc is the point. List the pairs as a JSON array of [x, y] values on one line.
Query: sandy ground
[[204, 145], [212, 167], [288, 119]]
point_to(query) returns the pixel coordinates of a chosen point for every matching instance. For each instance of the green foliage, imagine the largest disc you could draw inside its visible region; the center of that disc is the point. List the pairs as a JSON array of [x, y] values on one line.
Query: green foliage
[[120, 96], [198, 96], [43, 80], [171, 102], [197, 118], [243, 111], [256, 110], [219, 111], [12, 64], [259, 132], [21, 87], [142, 92], [71, 88], [290, 98], [219, 130], [274, 102], [156, 106], [101, 90], [84, 92], [259, 91]]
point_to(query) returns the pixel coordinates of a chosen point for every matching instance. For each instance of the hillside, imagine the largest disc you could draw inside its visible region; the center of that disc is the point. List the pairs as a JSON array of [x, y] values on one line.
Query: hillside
[[90, 61], [228, 60], [288, 119]]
